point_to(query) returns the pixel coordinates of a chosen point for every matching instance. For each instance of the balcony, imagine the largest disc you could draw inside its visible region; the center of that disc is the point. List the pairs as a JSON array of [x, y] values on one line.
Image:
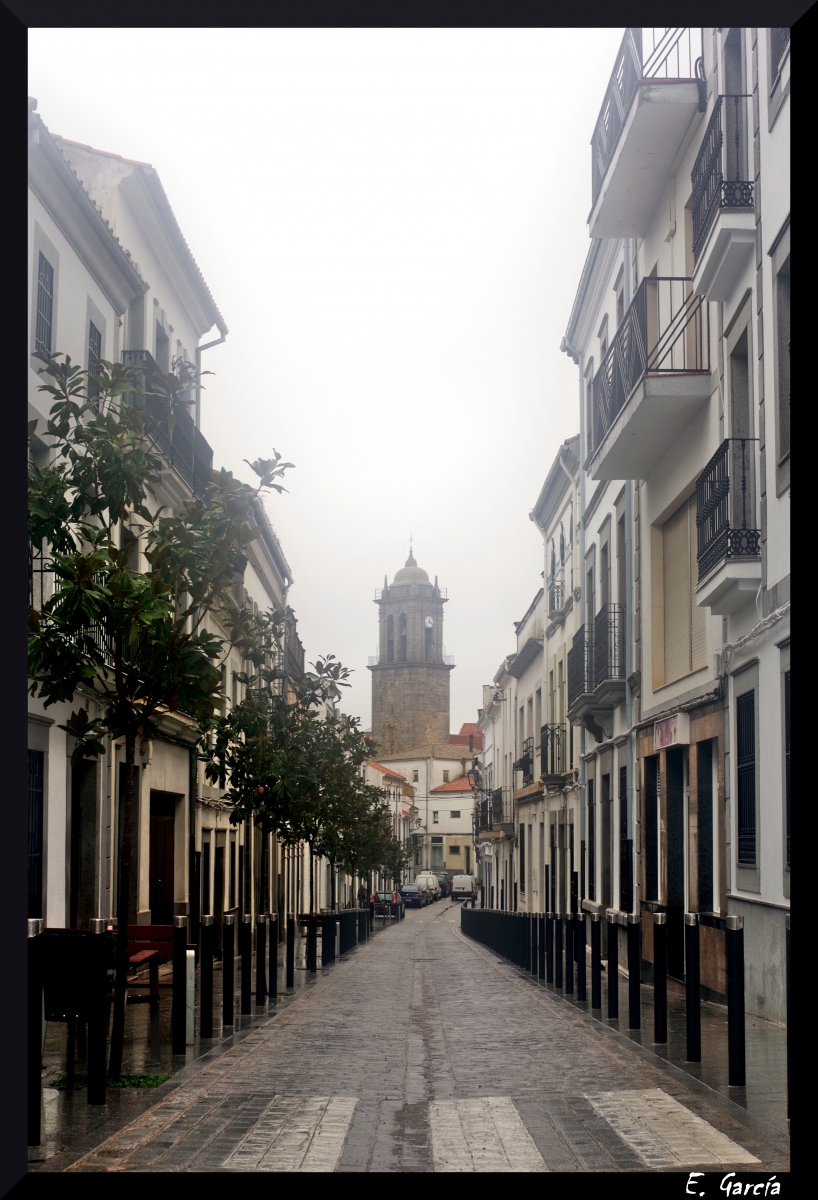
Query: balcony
[[653, 94], [556, 597], [596, 671], [609, 654], [724, 229], [653, 380], [729, 555], [525, 763], [184, 446], [553, 753], [496, 815]]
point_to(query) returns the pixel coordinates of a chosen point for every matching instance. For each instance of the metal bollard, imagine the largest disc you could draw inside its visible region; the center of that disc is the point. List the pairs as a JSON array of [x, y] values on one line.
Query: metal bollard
[[613, 966], [326, 947], [558, 950], [35, 1032], [261, 954], [98, 1017], [660, 978], [290, 952], [190, 997], [207, 931], [312, 943], [579, 943], [734, 939], [228, 968], [532, 943], [246, 951], [178, 1017], [634, 972], [272, 949], [541, 946], [549, 947], [596, 961], [693, 1008], [569, 954]]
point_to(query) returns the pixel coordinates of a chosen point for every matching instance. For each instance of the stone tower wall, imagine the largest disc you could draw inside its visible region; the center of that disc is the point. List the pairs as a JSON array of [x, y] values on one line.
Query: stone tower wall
[[410, 706]]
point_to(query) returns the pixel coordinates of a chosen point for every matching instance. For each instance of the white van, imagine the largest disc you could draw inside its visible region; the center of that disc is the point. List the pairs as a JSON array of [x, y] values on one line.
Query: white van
[[462, 887], [431, 881]]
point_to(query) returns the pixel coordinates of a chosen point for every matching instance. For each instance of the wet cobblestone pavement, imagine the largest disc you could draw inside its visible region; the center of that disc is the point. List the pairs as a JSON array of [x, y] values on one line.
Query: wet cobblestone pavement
[[423, 1051]]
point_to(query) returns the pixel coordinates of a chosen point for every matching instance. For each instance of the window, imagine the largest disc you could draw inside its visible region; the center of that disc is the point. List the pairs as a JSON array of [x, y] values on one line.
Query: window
[[746, 769], [402, 637], [45, 305], [445, 776], [619, 291], [704, 780], [455, 813], [591, 596], [625, 846], [685, 646], [562, 544], [435, 816], [454, 849], [603, 338], [522, 858], [437, 841], [390, 639], [414, 776], [94, 355], [620, 560], [553, 568], [162, 349], [782, 330], [651, 818]]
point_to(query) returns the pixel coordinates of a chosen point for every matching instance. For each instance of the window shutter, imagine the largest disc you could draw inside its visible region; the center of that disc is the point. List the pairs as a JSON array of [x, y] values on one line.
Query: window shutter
[[698, 640], [676, 561]]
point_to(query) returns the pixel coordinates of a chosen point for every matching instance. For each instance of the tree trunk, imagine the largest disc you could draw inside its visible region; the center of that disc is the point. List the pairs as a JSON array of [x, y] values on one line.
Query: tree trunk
[[123, 911], [312, 883], [333, 873]]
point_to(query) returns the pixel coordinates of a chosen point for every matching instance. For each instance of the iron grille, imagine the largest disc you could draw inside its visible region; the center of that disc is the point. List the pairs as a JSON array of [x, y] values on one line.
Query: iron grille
[[579, 665], [556, 595], [45, 305], [719, 175], [525, 762], [665, 329], [725, 514], [591, 842], [94, 355], [609, 643], [552, 749], [746, 769]]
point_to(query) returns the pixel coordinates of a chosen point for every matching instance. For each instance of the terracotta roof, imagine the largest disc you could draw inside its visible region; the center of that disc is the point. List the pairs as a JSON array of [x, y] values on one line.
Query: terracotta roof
[[462, 739], [438, 750], [468, 727], [386, 770], [461, 784]]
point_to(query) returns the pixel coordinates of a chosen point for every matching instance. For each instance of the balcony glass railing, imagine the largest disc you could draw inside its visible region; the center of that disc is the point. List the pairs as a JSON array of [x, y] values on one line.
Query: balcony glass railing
[[725, 506], [720, 175], [664, 330]]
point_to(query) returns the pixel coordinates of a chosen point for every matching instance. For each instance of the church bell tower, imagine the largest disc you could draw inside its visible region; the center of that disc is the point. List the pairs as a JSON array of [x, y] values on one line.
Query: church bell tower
[[410, 681]]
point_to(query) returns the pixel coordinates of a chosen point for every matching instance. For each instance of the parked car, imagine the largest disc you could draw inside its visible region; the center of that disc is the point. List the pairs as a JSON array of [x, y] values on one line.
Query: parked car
[[445, 882], [463, 887], [412, 895], [428, 878], [389, 898]]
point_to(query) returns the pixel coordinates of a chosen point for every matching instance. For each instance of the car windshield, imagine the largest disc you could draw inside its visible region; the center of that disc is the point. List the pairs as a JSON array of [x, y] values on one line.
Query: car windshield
[[410, 887], [384, 895]]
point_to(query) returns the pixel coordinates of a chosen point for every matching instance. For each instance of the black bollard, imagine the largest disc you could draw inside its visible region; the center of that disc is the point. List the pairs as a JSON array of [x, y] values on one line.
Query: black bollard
[[558, 950], [596, 961], [660, 978], [228, 968], [541, 946], [549, 947], [613, 966], [246, 935], [35, 1032], [312, 943], [178, 1017], [579, 943], [734, 939], [534, 956], [634, 972], [261, 954], [207, 932], [98, 1015], [693, 1008], [326, 921], [569, 954], [272, 949], [290, 952]]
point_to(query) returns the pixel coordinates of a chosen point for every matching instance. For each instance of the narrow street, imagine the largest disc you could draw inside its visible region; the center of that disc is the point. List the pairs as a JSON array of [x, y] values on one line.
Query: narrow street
[[422, 1051]]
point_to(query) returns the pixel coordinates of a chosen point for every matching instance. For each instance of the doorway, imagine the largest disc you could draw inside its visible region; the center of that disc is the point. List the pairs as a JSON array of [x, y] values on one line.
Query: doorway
[[675, 863], [162, 847], [82, 844]]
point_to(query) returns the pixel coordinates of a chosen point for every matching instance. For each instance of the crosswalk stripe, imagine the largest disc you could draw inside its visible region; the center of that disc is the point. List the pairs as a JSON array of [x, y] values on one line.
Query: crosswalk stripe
[[481, 1135], [295, 1133], [663, 1132]]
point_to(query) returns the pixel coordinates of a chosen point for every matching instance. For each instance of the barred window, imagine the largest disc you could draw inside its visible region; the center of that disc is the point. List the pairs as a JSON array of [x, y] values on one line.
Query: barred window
[[455, 813], [746, 766], [45, 305], [94, 355]]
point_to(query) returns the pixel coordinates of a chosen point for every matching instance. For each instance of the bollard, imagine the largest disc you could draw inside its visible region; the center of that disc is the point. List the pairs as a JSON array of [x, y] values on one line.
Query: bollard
[[98, 1015], [228, 968], [178, 1018], [190, 996], [156, 1036], [734, 939], [535, 955], [579, 943], [660, 978], [312, 943], [789, 1053], [35, 1032], [207, 931], [290, 952], [549, 947], [541, 946], [558, 950], [693, 1008], [246, 951], [613, 966], [569, 954], [272, 987], [596, 961], [326, 948], [261, 954], [634, 972]]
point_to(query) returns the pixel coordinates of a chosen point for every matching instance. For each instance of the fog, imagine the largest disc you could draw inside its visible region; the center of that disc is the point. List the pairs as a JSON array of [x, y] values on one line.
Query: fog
[[393, 224]]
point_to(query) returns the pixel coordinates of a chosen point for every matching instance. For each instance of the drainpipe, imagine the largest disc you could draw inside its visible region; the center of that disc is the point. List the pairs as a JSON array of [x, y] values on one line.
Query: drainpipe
[[199, 349]]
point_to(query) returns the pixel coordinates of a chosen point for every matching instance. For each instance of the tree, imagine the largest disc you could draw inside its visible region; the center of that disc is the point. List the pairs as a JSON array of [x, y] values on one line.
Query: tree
[[132, 640]]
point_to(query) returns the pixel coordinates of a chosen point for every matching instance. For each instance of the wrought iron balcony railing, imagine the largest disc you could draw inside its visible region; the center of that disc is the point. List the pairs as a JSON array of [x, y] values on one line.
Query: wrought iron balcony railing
[[722, 168], [556, 595], [496, 809], [664, 330], [609, 643], [643, 54], [185, 446], [525, 762], [553, 750], [579, 665], [725, 506]]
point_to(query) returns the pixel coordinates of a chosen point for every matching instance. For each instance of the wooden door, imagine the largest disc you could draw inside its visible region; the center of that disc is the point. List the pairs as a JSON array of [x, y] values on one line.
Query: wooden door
[[161, 869]]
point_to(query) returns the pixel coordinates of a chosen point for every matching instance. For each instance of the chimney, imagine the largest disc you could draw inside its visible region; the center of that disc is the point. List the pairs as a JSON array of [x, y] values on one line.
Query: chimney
[[471, 743]]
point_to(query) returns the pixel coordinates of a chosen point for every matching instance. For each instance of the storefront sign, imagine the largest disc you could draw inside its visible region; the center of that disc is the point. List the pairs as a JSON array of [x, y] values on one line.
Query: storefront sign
[[673, 731]]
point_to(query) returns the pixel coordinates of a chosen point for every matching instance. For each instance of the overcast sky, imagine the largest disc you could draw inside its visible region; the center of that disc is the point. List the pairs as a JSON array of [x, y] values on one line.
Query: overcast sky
[[393, 224]]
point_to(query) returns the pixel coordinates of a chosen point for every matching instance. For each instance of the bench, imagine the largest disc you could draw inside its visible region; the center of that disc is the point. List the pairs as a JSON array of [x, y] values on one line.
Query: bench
[[147, 944]]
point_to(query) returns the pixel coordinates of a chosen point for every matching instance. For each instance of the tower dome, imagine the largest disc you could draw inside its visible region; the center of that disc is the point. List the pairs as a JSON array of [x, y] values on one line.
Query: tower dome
[[411, 573]]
